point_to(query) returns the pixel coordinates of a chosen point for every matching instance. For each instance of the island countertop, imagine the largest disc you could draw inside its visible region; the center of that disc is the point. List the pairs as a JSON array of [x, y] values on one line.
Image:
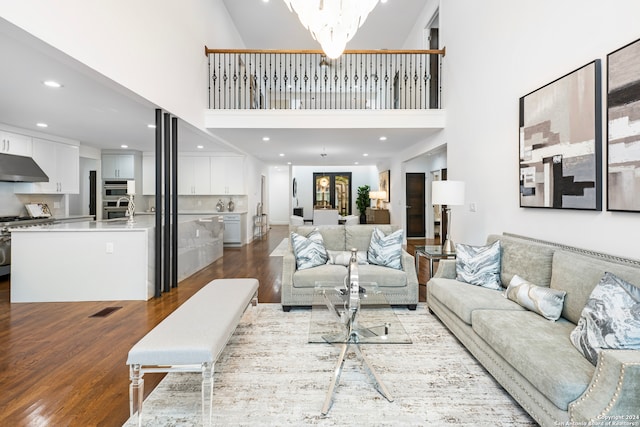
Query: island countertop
[[142, 222]]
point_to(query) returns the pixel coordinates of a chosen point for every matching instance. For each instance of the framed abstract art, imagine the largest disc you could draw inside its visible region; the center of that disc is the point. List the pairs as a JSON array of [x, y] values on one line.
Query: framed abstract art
[[561, 142], [623, 128]]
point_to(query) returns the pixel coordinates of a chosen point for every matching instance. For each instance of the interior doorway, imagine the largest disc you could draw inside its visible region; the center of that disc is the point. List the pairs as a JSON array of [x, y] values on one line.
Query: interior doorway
[[415, 209]]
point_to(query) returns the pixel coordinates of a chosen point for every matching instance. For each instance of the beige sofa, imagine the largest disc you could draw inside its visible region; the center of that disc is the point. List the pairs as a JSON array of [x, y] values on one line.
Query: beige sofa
[[532, 357], [399, 286]]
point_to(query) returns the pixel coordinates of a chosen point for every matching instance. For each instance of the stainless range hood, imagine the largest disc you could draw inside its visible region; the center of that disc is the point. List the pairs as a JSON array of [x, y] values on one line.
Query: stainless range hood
[[20, 169]]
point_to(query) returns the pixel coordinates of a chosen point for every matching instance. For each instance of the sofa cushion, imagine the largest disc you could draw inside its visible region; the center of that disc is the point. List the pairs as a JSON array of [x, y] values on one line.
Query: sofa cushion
[[463, 298], [386, 250], [611, 318], [384, 277], [545, 301], [332, 235], [528, 259], [359, 236], [579, 274], [309, 250], [324, 273], [479, 265], [539, 350]]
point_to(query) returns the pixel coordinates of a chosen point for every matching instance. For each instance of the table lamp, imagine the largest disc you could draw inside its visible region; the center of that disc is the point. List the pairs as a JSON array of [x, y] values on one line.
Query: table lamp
[[379, 196], [445, 194]]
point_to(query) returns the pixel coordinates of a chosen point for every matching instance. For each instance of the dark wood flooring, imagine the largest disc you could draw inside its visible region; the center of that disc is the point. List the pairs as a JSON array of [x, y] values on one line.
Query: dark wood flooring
[[59, 366]]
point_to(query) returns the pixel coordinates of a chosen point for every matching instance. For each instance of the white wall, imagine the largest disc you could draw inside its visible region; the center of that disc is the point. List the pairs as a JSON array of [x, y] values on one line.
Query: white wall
[[143, 45], [279, 193], [498, 51]]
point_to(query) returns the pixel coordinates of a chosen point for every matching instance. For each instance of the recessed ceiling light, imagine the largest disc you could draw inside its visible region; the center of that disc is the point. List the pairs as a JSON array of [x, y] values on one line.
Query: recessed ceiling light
[[288, 163], [266, 138], [200, 147], [356, 163], [124, 146], [383, 138], [42, 125], [281, 154], [365, 155], [51, 83], [151, 126]]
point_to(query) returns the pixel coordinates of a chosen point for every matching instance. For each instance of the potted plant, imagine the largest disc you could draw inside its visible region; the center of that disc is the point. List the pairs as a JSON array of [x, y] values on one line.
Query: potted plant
[[363, 202]]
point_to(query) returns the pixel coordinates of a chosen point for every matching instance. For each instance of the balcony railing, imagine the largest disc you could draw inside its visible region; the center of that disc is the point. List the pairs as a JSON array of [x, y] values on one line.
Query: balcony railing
[[306, 79]]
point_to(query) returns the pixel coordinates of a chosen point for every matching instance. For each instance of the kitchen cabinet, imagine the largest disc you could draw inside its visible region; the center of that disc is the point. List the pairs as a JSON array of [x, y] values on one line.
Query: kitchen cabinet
[[194, 175], [227, 175], [61, 163], [120, 166], [13, 143]]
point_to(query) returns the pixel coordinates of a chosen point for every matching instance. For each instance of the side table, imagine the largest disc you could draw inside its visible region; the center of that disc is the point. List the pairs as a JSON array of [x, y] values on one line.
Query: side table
[[431, 252]]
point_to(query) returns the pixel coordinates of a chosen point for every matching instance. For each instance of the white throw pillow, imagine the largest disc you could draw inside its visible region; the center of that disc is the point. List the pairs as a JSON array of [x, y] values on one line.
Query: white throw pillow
[[545, 301]]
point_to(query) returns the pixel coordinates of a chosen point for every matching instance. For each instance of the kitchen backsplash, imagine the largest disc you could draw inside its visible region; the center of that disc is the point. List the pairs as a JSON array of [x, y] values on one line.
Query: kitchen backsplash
[[13, 204], [198, 203]]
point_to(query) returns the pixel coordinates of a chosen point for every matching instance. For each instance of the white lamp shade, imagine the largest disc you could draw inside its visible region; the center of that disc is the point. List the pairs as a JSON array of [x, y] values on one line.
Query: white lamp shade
[[378, 195], [131, 187], [447, 193]]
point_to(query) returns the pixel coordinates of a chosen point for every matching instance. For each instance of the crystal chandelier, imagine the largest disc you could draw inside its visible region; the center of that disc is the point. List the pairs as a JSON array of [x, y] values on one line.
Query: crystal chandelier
[[332, 22]]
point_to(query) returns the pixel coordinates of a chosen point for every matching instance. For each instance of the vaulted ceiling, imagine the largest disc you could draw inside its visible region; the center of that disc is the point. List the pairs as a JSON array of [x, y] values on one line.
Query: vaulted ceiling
[[80, 113]]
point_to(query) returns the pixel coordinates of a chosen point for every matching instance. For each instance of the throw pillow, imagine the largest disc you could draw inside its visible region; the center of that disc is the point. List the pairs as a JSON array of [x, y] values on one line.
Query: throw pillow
[[309, 250], [479, 265], [343, 257], [385, 250], [545, 301], [611, 318]]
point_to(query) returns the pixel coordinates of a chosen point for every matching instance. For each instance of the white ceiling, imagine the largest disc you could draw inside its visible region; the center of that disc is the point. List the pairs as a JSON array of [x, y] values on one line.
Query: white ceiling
[[100, 113]]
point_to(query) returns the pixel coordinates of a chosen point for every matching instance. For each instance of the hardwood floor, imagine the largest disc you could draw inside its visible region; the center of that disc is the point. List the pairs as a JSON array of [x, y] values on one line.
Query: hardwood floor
[[61, 367]]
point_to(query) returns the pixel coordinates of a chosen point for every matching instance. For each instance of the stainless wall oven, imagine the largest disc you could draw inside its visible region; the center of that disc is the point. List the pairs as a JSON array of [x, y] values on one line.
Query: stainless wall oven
[[112, 192], [113, 189]]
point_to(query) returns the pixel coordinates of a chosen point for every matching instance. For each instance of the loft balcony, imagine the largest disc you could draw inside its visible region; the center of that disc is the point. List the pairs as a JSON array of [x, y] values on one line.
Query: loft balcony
[[303, 88], [307, 80]]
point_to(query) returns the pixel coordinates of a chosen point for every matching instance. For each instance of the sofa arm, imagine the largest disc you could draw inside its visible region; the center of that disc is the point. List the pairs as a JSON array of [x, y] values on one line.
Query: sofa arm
[[446, 269], [409, 267], [288, 268], [614, 392]]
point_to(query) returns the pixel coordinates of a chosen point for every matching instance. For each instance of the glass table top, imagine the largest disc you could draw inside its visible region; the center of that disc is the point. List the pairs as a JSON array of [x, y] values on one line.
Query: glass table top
[[374, 323]]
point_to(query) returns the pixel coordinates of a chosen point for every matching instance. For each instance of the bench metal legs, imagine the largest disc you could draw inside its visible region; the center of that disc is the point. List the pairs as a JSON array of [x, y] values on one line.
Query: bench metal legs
[[136, 392], [207, 394], [136, 388]]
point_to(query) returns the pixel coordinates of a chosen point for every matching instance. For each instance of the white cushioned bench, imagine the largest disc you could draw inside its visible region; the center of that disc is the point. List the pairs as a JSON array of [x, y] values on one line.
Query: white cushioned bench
[[191, 338]]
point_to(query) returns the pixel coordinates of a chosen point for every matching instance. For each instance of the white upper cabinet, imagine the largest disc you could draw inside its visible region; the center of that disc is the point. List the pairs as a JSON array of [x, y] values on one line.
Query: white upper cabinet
[[118, 166], [61, 163], [13, 143], [194, 175], [227, 175]]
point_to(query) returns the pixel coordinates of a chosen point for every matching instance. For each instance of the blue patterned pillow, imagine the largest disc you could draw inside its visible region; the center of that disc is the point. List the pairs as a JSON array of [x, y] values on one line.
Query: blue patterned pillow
[[385, 250], [611, 318], [309, 250], [479, 265]]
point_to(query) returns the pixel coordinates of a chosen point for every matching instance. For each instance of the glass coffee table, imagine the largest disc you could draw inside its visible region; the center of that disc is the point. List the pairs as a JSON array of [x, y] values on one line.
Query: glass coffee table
[[371, 321]]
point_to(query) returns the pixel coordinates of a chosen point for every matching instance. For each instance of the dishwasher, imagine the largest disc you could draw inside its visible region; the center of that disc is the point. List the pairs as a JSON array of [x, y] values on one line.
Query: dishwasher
[[232, 233]]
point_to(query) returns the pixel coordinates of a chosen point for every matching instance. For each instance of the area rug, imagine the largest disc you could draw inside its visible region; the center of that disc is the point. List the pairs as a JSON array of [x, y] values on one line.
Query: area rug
[[281, 249], [268, 375]]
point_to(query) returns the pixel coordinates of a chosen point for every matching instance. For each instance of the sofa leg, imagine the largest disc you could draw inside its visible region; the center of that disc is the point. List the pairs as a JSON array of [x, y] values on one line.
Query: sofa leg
[[286, 308], [412, 306], [431, 311]]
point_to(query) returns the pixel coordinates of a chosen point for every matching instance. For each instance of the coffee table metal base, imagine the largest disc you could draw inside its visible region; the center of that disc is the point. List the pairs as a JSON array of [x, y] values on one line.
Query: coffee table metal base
[[379, 385]]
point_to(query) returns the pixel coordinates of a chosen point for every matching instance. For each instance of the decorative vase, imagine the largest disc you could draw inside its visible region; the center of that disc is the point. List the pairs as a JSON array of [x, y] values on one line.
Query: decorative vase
[[231, 206], [220, 206]]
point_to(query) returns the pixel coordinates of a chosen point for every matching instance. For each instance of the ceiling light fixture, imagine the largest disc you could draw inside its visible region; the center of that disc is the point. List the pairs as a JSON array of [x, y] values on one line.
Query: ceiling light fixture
[[150, 126], [200, 147], [124, 146], [332, 22], [42, 125], [266, 138], [383, 138], [281, 154], [51, 83]]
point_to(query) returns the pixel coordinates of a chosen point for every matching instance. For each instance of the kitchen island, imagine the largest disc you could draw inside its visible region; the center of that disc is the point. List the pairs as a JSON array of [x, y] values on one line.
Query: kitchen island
[[104, 260]]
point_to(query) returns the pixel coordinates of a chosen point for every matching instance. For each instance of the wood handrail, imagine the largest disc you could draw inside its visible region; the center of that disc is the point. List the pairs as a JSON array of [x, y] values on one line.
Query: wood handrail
[[442, 51]]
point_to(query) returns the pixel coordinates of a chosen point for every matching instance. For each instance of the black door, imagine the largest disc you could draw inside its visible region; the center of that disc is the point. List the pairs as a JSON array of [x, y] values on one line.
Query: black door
[[415, 196]]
